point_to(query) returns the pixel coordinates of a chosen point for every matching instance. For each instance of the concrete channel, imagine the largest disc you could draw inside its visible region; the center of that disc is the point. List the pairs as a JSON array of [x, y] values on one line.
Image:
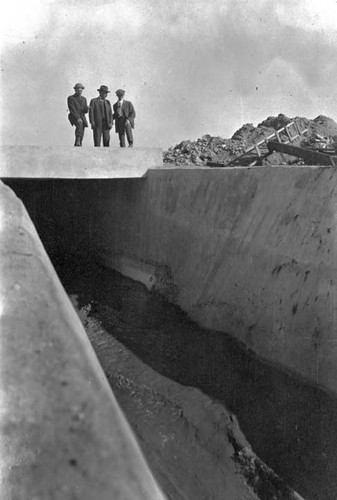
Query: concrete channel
[[243, 260]]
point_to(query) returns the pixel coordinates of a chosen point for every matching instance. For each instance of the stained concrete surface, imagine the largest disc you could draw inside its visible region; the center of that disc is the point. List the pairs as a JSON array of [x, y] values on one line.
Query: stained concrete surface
[[251, 252], [62, 433], [290, 424]]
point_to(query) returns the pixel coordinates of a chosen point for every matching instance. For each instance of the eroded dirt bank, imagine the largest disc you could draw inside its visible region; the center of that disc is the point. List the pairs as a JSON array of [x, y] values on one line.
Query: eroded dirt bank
[[290, 425]]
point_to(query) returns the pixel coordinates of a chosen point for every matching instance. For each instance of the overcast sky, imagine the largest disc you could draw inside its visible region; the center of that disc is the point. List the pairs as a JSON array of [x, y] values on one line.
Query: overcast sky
[[190, 67]]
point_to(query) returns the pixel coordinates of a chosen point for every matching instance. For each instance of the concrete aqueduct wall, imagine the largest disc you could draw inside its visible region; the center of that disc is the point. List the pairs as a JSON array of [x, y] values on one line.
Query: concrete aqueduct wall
[[251, 252]]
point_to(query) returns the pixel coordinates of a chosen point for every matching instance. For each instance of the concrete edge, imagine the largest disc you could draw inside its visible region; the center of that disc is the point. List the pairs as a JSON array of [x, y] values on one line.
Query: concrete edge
[[77, 163], [48, 373]]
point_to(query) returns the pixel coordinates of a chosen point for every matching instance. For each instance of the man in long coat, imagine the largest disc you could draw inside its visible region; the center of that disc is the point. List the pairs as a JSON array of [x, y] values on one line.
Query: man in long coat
[[100, 116], [77, 106], [124, 116]]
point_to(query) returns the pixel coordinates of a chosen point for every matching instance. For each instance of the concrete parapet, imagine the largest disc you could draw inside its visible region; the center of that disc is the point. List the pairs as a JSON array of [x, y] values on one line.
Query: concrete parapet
[[62, 434], [72, 163]]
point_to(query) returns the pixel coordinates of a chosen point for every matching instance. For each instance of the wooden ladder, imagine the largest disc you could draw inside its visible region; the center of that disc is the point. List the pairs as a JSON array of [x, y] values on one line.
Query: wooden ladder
[[260, 150]]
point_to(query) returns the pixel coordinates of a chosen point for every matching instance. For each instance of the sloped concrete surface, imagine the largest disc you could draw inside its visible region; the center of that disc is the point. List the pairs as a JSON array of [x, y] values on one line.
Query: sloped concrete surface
[[251, 252], [70, 162], [62, 434]]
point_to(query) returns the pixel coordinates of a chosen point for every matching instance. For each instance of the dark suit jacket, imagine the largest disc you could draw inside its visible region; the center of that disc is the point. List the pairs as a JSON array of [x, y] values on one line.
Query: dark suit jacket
[[95, 113], [77, 106], [128, 111]]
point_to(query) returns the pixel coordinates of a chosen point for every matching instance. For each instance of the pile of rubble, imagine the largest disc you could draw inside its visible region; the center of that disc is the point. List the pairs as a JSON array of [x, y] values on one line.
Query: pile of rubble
[[322, 134], [317, 141], [206, 149]]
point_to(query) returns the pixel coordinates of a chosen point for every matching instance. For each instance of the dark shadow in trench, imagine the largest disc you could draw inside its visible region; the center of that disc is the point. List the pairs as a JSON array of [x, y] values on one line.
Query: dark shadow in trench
[[290, 424]]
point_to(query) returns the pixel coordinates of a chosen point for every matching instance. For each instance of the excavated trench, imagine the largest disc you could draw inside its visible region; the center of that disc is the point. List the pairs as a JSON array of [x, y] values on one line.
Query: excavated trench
[[289, 424], [162, 366]]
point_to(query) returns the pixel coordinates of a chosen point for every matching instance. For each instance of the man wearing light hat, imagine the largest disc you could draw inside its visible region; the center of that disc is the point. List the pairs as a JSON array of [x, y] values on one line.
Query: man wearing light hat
[[77, 106], [100, 116], [124, 115]]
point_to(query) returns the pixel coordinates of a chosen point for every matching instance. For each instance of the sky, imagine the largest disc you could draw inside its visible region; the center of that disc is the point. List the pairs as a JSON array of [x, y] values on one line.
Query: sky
[[190, 67]]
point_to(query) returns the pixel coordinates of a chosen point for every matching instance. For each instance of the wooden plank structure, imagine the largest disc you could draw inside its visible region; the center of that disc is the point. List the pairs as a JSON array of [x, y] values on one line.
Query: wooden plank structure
[[312, 157], [257, 152]]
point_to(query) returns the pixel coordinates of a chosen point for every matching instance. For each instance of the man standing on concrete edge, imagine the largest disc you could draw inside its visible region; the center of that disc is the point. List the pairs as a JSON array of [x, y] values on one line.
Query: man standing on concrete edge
[[77, 106], [124, 115], [100, 116]]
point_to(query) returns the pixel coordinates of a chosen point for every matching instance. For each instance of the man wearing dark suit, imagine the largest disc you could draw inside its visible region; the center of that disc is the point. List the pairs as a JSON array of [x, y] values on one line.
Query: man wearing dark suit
[[77, 106], [124, 116], [100, 116]]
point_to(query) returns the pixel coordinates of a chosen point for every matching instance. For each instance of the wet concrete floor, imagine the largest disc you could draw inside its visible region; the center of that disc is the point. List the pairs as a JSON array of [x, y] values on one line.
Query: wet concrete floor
[[290, 424]]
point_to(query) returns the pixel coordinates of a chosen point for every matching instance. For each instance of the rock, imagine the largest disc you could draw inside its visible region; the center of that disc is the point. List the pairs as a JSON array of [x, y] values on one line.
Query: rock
[[244, 132], [275, 122], [279, 159]]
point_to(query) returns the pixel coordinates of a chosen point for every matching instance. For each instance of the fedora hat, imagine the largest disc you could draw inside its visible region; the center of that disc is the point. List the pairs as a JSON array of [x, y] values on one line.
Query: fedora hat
[[103, 88], [79, 86], [120, 92]]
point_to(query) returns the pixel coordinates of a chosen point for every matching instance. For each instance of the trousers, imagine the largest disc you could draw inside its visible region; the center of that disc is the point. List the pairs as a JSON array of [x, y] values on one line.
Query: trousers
[[79, 133], [124, 128], [100, 131]]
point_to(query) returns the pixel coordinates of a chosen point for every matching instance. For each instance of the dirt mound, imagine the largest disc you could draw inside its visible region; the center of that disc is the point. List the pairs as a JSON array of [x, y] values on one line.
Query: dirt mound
[[275, 122], [324, 126], [217, 149]]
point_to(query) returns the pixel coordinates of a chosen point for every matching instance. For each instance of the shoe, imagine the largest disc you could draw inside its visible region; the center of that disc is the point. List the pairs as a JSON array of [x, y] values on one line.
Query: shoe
[[130, 145]]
